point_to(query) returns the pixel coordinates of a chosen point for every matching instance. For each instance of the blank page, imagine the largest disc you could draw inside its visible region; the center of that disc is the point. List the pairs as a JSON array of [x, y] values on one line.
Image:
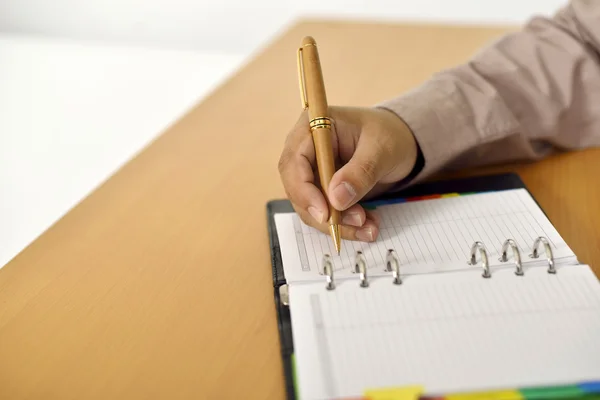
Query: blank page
[[449, 332], [428, 235]]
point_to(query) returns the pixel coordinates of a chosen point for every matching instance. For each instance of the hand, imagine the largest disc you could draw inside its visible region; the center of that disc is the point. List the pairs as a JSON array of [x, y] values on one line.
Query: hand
[[374, 148]]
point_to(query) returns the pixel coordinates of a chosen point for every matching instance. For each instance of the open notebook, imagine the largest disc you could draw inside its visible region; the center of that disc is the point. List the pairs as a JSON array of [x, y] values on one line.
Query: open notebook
[[427, 313]]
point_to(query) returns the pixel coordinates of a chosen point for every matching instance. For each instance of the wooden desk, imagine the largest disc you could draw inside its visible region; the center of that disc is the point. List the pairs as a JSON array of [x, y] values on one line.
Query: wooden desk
[[158, 285]]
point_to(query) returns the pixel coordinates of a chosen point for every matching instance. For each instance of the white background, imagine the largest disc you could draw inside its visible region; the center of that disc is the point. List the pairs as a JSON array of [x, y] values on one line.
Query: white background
[[86, 84], [234, 25]]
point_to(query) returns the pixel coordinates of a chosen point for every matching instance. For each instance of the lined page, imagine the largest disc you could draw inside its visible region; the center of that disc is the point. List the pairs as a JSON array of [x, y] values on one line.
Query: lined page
[[448, 332], [428, 236]]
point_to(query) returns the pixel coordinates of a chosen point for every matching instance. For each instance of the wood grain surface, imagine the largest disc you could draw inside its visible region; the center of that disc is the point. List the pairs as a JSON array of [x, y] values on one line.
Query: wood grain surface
[[158, 285]]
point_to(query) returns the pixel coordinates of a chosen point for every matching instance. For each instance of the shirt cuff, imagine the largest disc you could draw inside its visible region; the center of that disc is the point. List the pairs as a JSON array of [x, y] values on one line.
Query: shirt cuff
[[441, 120]]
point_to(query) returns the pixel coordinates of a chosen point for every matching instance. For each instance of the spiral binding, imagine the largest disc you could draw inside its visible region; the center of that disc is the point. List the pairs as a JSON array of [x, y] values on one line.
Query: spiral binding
[[485, 263], [549, 254], [392, 263], [328, 271], [360, 267], [516, 255]]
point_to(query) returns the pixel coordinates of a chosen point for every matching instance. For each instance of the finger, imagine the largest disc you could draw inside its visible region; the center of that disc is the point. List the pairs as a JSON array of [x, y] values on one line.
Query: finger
[[355, 179], [371, 227], [298, 178], [368, 232], [346, 232], [354, 216], [374, 216]]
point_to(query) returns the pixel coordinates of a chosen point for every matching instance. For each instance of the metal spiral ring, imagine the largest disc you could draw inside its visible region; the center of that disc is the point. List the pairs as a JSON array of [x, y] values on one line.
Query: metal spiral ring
[[516, 254], [360, 267], [484, 258], [328, 270], [549, 254], [392, 264]]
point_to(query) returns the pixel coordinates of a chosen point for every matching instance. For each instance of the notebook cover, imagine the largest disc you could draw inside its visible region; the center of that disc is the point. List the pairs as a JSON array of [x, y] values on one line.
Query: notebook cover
[[464, 185]]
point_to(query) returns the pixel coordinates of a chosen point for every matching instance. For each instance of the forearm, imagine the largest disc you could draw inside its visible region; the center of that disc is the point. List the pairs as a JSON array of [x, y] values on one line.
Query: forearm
[[528, 95]]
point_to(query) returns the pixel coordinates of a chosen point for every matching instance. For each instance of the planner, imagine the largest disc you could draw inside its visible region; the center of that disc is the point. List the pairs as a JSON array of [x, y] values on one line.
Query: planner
[[468, 288]]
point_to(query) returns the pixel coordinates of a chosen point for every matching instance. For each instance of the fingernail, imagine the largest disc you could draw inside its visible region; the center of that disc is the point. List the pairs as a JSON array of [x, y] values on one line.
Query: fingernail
[[344, 193], [366, 234], [316, 214], [352, 219]]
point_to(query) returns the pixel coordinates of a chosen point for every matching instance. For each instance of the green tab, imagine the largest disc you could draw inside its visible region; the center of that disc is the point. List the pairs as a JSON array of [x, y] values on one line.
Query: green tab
[[553, 393], [294, 377]]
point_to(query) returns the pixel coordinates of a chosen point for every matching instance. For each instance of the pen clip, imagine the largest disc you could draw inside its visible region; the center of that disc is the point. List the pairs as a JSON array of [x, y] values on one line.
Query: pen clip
[[303, 95]]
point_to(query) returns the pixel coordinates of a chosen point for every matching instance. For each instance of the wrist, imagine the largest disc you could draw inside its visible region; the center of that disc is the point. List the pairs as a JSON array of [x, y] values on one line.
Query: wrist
[[416, 169], [409, 158]]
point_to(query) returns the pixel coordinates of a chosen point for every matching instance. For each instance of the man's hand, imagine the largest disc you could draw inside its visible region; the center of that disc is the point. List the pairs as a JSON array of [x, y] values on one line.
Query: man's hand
[[373, 148]]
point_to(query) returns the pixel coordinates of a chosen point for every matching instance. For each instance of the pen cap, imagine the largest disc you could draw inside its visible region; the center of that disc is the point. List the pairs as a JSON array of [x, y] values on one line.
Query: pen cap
[[313, 79], [308, 40]]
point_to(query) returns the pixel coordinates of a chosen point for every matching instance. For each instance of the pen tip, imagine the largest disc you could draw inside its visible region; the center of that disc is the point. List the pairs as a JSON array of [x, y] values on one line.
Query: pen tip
[[335, 234]]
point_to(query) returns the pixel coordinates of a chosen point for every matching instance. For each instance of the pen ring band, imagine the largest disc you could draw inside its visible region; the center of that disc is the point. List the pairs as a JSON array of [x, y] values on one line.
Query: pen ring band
[[516, 254], [549, 254], [328, 270], [360, 267], [392, 264], [320, 122], [484, 258]]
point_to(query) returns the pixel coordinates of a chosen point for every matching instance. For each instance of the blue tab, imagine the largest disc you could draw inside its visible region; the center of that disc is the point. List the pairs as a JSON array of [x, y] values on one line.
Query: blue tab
[[590, 387]]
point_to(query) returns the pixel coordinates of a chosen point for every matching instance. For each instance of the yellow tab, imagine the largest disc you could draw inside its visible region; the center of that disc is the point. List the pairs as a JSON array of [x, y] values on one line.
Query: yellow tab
[[451, 195], [401, 393], [499, 395]]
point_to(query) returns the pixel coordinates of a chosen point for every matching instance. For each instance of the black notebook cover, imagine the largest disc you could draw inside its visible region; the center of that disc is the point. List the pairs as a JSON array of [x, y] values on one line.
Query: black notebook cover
[[465, 185]]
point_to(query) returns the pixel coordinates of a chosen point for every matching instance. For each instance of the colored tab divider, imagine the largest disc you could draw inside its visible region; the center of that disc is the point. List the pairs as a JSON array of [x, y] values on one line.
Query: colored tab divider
[[590, 387], [294, 374], [585, 390], [373, 204], [582, 391], [495, 395], [401, 393], [551, 393]]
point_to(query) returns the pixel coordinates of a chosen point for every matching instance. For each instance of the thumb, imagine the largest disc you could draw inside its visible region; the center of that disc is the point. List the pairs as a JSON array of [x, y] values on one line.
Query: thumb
[[355, 179]]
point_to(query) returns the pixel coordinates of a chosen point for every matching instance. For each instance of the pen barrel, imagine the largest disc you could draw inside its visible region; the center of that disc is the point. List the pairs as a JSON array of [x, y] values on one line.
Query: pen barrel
[[326, 165], [318, 113]]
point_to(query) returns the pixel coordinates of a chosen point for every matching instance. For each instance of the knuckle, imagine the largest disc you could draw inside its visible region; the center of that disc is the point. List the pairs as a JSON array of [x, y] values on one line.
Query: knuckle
[[283, 161], [292, 193], [388, 147], [288, 186], [288, 193], [368, 170], [307, 219], [310, 221]]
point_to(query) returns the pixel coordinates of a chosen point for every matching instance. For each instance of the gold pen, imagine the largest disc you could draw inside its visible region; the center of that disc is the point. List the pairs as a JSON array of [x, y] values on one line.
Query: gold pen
[[312, 92]]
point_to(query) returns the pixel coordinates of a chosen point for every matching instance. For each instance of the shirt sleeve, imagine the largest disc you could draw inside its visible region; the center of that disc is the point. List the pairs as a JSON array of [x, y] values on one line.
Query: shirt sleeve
[[528, 95]]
